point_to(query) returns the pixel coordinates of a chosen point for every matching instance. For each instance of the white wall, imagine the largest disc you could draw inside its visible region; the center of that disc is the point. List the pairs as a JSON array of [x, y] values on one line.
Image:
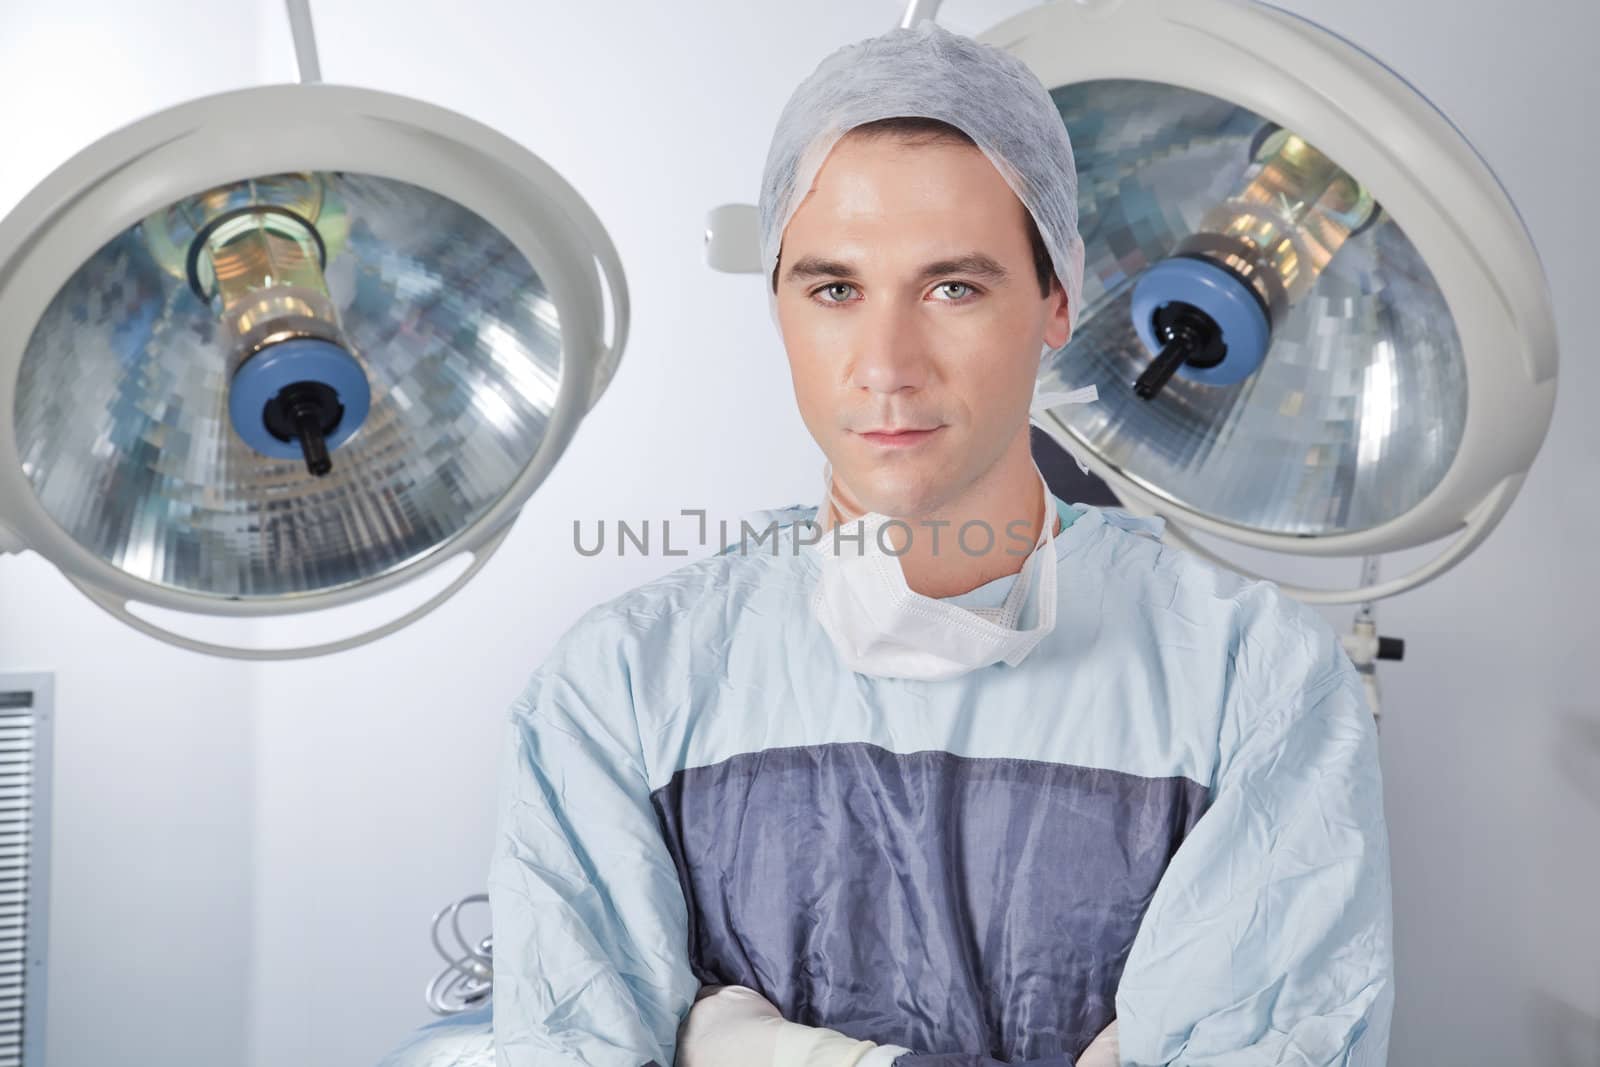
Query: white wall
[[1491, 738], [246, 856], [153, 876]]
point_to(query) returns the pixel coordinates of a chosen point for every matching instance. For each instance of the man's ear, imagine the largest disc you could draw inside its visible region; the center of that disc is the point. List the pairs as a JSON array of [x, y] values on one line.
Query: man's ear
[[1058, 323]]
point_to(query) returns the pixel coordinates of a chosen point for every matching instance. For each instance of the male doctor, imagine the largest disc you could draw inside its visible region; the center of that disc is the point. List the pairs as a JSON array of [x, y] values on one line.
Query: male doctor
[[949, 772]]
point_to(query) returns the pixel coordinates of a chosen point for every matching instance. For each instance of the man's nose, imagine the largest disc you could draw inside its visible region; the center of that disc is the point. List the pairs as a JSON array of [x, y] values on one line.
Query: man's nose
[[890, 349]]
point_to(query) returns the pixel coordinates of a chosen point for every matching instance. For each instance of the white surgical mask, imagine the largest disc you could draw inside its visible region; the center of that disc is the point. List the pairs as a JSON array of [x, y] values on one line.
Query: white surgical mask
[[880, 626]]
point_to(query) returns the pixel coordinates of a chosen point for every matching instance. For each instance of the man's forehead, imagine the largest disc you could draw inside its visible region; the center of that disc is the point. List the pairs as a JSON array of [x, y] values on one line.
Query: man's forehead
[[959, 194], [958, 240], [920, 207], [882, 166]]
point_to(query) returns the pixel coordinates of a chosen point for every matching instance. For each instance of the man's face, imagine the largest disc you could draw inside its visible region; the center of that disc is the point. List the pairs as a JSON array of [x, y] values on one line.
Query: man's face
[[908, 301]]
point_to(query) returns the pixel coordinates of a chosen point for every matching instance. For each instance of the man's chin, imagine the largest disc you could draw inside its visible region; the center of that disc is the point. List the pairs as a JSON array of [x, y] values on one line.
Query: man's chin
[[898, 489]]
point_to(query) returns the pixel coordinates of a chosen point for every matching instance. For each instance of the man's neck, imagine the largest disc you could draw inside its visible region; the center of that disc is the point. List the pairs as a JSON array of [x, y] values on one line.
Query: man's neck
[[1006, 501]]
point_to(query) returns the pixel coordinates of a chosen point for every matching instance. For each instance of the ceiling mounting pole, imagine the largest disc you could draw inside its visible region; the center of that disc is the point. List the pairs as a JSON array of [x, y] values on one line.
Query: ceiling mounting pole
[[305, 41], [919, 11]]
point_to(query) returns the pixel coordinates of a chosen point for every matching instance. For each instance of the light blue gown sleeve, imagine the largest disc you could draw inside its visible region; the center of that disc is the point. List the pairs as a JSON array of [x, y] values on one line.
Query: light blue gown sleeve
[[591, 959], [1269, 937]]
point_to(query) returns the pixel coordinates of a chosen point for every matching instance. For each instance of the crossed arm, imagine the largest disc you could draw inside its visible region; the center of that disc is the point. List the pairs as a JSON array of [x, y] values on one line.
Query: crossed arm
[[734, 1026], [1267, 941]]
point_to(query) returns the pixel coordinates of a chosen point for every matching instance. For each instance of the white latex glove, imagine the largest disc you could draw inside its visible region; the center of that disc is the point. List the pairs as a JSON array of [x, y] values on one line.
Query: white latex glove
[[1102, 1051], [727, 1026], [734, 1026]]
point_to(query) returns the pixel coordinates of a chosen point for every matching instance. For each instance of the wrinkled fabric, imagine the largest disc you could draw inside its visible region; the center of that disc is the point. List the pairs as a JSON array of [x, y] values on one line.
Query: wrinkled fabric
[[1000, 847], [465, 1040], [1169, 814], [929, 72]]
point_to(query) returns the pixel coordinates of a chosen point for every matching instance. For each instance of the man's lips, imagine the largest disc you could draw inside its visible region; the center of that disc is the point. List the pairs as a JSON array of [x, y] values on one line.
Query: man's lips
[[891, 438]]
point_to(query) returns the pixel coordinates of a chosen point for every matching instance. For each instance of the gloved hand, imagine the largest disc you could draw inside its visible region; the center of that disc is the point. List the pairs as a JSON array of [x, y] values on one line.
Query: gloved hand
[[1102, 1051], [729, 1025], [734, 1026]]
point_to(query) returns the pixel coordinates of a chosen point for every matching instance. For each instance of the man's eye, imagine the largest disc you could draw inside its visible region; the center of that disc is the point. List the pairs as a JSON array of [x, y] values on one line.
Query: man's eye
[[834, 290], [947, 286]]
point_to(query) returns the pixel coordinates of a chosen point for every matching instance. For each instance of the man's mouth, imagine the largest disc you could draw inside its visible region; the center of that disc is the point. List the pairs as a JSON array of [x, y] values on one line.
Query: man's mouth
[[897, 437]]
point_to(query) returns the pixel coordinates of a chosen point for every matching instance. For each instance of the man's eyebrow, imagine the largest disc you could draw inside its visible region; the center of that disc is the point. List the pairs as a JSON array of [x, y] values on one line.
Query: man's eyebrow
[[973, 263], [976, 264], [817, 267]]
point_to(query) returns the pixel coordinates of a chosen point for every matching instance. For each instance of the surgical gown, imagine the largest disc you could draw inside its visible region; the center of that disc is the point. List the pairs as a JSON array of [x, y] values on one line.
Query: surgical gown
[[1170, 813]]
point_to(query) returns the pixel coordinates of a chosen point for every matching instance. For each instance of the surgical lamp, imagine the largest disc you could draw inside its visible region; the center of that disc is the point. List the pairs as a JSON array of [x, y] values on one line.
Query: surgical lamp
[[280, 349]]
